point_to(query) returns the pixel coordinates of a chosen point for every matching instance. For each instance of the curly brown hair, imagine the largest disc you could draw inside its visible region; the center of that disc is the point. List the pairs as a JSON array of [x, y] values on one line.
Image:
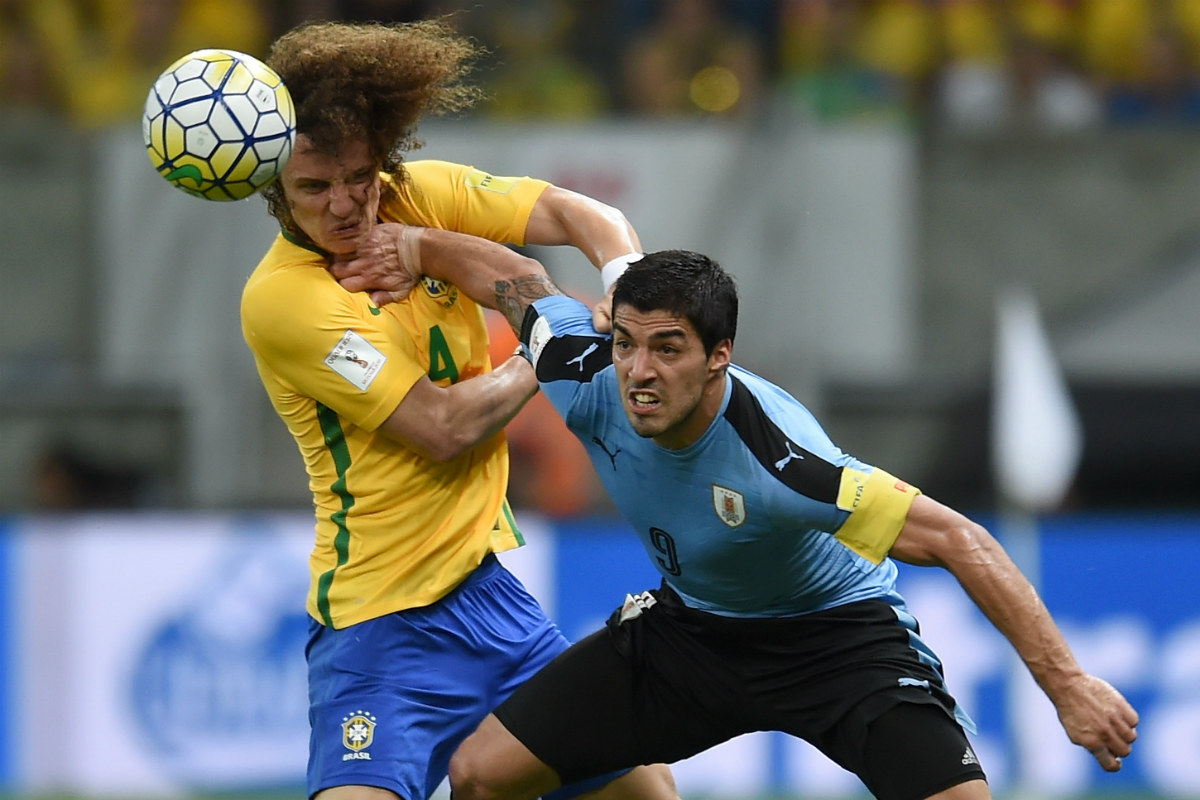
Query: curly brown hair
[[371, 80]]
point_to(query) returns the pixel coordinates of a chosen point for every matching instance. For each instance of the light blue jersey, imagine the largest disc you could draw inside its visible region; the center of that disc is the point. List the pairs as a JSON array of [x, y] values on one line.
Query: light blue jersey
[[762, 516]]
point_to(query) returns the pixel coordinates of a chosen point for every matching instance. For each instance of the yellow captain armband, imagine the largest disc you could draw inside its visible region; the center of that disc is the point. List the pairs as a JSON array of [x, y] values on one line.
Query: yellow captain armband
[[878, 504]]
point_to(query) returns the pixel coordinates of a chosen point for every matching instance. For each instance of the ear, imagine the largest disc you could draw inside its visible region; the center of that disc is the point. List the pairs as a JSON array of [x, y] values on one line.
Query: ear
[[719, 359]]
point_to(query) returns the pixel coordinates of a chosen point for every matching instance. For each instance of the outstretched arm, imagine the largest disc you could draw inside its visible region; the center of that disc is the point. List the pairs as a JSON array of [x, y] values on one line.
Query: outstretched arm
[[599, 231], [1093, 713], [395, 256], [559, 217], [442, 423]]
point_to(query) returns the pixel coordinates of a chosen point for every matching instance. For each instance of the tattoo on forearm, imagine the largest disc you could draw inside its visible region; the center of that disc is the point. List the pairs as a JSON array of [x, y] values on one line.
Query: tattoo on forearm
[[513, 297]]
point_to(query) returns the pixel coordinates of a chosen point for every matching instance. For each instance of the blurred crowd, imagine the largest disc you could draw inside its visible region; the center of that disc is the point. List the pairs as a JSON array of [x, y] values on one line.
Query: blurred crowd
[[1056, 64], [1051, 65]]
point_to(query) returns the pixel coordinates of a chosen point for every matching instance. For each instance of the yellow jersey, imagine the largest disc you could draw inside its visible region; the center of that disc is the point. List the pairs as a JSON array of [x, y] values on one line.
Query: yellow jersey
[[393, 530]]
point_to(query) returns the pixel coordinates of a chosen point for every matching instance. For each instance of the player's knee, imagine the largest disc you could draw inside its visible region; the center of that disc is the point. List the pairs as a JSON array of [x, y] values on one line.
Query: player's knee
[[467, 778], [660, 782]]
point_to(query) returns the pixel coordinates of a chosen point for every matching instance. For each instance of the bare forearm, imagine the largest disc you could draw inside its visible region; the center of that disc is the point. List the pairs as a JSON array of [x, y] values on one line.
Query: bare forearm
[[596, 229], [443, 423], [1093, 713], [472, 264], [604, 238], [1012, 604], [937, 535], [395, 257], [479, 408], [488, 273]]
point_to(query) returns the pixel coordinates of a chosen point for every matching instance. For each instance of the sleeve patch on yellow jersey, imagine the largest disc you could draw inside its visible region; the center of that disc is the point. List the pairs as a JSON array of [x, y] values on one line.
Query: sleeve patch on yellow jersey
[[478, 179], [356, 360], [878, 504]]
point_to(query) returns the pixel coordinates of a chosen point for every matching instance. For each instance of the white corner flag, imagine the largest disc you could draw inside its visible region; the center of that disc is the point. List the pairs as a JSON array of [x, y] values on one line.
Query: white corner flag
[[1036, 434]]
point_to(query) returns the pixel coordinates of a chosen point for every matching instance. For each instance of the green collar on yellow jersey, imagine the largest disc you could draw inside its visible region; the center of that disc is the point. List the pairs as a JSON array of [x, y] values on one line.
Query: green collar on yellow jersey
[[305, 244]]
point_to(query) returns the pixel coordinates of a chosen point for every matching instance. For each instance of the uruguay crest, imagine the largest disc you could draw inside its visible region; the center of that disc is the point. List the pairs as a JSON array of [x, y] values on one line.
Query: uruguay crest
[[729, 505]]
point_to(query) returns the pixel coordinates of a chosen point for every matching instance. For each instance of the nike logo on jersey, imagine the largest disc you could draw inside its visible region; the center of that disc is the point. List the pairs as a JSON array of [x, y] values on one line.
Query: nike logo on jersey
[[591, 348], [791, 454]]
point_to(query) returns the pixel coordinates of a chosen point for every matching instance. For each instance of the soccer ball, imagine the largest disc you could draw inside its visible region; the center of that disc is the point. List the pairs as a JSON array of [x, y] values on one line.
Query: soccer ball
[[219, 124]]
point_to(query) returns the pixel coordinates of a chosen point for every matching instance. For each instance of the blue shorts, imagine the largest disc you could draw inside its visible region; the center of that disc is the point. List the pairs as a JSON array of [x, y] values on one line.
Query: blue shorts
[[390, 699]]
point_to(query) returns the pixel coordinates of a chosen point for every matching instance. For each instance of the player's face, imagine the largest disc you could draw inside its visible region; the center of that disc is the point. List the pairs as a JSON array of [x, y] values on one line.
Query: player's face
[[333, 197], [670, 389]]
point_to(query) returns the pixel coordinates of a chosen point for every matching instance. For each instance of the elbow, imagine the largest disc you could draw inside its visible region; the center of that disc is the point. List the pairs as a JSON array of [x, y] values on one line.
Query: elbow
[[613, 215], [966, 544], [457, 439], [583, 222], [446, 448], [526, 267], [935, 535], [437, 441]]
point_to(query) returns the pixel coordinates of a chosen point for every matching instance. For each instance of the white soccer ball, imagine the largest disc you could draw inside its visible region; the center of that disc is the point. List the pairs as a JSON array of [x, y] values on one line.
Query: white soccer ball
[[219, 124]]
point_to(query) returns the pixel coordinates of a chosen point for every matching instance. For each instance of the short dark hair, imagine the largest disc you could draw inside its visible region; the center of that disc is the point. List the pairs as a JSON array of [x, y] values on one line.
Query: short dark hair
[[688, 284]]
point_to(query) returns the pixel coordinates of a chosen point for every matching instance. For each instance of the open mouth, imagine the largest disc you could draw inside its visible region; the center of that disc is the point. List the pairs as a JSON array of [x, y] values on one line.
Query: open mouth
[[643, 402]]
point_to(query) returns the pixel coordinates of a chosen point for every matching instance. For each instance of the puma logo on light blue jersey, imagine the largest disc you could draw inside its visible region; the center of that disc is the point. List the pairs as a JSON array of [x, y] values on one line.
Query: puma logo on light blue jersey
[[579, 358], [791, 454]]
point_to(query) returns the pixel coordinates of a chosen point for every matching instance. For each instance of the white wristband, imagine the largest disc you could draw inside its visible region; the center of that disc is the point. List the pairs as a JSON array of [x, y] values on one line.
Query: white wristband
[[615, 268], [409, 248]]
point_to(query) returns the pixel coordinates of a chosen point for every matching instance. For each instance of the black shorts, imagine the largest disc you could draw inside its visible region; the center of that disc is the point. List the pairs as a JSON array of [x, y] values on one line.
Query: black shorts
[[672, 682]]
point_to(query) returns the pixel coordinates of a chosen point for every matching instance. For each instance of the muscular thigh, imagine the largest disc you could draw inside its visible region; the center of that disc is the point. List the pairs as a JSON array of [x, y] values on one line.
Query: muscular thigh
[[593, 710], [911, 751]]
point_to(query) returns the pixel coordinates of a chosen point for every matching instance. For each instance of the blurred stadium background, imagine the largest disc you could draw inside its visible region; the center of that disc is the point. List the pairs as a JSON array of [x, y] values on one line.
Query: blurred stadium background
[[876, 173]]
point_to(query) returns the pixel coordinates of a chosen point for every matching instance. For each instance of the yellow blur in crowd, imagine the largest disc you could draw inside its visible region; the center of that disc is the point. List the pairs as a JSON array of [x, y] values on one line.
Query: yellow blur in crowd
[[94, 60]]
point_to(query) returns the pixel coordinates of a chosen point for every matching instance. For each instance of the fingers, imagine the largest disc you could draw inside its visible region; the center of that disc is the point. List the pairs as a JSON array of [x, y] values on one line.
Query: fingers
[[386, 265], [1130, 716], [360, 274], [1117, 743], [382, 298], [353, 273], [358, 266], [1122, 729], [1118, 739], [342, 267], [355, 283], [602, 316], [1108, 762], [1097, 717]]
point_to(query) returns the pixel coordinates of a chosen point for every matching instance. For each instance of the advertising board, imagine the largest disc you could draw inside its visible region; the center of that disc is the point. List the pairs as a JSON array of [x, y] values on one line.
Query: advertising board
[[164, 653]]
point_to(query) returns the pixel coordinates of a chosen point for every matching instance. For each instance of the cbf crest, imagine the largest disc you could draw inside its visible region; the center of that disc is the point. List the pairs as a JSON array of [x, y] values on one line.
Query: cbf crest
[[729, 505], [358, 731], [444, 294]]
